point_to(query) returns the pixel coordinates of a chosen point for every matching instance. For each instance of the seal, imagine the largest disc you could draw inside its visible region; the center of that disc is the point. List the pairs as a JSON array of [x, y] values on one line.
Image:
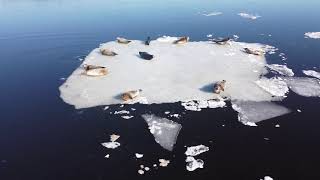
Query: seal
[[182, 40], [129, 95], [256, 52], [123, 40], [219, 86], [146, 56], [107, 52], [221, 41], [147, 42], [93, 70]]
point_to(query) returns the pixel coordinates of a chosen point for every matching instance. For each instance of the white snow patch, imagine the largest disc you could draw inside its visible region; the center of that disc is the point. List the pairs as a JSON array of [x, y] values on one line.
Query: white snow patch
[[185, 68], [196, 150], [250, 112], [308, 87], [164, 130], [312, 35], [249, 16], [193, 164], [274, 86], [281, 69], [312, 73], [111, 145]]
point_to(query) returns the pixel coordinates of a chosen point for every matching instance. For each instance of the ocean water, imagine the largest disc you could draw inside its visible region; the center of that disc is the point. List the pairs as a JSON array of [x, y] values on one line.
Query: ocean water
[[41, 137]]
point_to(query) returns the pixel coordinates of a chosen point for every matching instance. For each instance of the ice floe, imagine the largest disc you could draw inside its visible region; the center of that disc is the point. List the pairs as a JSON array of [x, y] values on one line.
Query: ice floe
[[274, 86], [164, 162], [249, 16], [212, 14], [114, 137], [111, 145], [308, 87], [249, 112], [312, 73], [189, 69], [139, 155], [193, 164], [164, 130], [267, 178], [127, 117], [312, 35], [281, 69], [201, 104], [121, 112], [196, 150]]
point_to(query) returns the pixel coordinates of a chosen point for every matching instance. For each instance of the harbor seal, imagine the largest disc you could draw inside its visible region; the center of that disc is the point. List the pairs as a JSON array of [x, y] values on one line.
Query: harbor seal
[[93, 70], [145, 55], [123, 40], [107, 52], [182, 40], [257, 52], [129, 95], [219, 87], [147, 42], [221, 41]]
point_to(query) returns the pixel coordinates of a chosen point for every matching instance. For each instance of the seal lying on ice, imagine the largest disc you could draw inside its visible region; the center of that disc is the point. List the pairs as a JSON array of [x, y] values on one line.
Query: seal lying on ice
[[257, 52], [182, 40], [131, 95], [219, 87], [123, 40], [221, 41], [107, 52], [145, 55], [93, 70]]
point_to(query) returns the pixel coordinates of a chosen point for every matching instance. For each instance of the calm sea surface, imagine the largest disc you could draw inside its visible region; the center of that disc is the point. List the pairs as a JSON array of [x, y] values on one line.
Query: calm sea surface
[[41, 137]]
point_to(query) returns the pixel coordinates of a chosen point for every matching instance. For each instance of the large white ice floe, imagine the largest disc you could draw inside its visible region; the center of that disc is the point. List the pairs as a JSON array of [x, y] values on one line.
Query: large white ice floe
[[249, 16], [281, 69], [180, 72], [164, 130], [249, 112], [308, 87], [312, 73], [193, 164], [274, 86], [196, 150], [312, 35]]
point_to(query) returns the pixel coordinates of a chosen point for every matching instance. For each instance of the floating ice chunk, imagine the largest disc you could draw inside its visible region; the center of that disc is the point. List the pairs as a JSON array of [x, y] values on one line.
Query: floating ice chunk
[[267, 178], [146, 168], [249, 16], [167, 112], [209, 35], [274, 86], [312, 73], [121, 112], [140, 171], [281, 69], [139, 155], [196, 150], [107, 156], [164, 162], [277, 126], [313, 35], [127, 117], [212, 14], [193, 164], [111, 145], [175, 115], [114, 137], [105, 108], [308, 87], [298, 110], [198, 105], [164, 130], [250, 112]]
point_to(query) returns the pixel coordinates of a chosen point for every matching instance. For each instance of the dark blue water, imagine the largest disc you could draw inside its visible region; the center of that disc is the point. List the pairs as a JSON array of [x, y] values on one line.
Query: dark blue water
[[41, 137]]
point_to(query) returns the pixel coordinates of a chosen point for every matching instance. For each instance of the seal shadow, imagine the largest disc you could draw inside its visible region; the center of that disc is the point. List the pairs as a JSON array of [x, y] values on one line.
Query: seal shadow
[[207, 88], [118, 96]]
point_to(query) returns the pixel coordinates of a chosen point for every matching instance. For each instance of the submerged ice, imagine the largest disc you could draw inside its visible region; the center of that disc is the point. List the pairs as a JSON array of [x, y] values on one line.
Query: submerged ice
[[180, 72], [164, 130]]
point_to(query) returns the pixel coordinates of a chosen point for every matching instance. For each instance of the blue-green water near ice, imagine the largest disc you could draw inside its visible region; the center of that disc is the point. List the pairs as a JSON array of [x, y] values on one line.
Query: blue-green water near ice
[[41, 137]]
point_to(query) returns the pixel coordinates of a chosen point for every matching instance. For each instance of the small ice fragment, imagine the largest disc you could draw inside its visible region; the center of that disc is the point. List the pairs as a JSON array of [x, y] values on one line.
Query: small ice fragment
[[140, 171], [193, 164], [167, 112], [164, 162], [121, 105], [312, 35], [249, 16], [175, 115], [146, 168], [281, 69], [141, 166], [114, 137], [198, 105], [235, 37], [133, 109], [107, 156], [209, 35], [111, 145], [212, 14], [277, 125], [312, 73], [127, 117], [267, 139], [121, 112], [164, 130], [308, 87], [155, 165], [274, 86], [62, 79], [250, 112], [139, 155], [105, 108], [298, 110], [196, 150], [267, 178]]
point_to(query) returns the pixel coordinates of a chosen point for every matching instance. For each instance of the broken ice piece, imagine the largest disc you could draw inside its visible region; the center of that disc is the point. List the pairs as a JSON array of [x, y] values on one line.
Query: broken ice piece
[[146, 168], [196, 150], [164, 162], [107, 156], [267, 178], [277, 125], [139, 155], [312, 35], [298, 110], [105, 108], [274, 86], [281, 69], [164, 130], [121, 112], [193, 164], [140, 171], [127, 117], [308, 87], [111, 145], [114, 137], [312, 73], [250, 112], [249, 16]]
